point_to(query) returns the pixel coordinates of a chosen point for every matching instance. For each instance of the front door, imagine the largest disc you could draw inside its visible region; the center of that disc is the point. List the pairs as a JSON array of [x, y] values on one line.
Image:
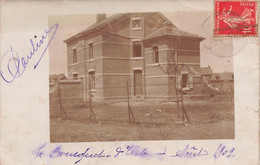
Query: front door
[[138, 83]]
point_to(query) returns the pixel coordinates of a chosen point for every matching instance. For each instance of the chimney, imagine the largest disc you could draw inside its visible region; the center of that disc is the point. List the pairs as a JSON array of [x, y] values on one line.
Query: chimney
[[100, 17]]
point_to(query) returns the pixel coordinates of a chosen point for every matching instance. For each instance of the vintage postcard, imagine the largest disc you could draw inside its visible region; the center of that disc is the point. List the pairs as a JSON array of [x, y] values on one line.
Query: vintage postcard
[[110, 82]]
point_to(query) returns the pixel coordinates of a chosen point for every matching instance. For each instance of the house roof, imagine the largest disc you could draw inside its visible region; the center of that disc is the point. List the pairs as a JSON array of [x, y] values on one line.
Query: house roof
[[106, 21], [110, 21], [171, 31], [205, 70], [57, 76], [223, 76], [201, 70]]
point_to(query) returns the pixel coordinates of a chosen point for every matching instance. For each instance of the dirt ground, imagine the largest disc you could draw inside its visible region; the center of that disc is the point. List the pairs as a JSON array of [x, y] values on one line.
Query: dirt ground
[[153, 121]]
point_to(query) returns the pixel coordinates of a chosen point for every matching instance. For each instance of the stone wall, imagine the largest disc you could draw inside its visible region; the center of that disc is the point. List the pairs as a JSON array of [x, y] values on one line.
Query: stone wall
[[65, 93]]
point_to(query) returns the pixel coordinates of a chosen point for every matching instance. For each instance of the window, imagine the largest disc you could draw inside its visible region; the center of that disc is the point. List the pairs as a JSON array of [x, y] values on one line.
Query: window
[[90, 51], [75, 76], [92, 79], [184, 80], [155, 55], [136, 23], [137, 49], [74, 56]]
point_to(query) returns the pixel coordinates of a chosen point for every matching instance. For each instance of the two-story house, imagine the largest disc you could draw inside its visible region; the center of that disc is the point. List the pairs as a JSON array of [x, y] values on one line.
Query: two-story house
[[141, 49]]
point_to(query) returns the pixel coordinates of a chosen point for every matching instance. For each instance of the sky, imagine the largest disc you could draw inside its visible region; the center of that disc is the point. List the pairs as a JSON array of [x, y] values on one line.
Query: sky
[[215, 52]]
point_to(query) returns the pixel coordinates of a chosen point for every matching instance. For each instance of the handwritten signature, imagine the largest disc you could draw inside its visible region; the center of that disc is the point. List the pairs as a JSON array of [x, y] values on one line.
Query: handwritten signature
[[16, 65], [131, 150]]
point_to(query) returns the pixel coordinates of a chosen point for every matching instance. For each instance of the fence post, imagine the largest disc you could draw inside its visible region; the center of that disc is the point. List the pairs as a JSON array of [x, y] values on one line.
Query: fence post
[[176, 82], [131, 118], [90, 104], [183, 109], [59, 96], [184, 113]]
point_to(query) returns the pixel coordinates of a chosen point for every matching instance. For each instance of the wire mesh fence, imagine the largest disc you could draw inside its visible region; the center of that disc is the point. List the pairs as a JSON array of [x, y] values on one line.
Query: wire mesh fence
[[70, 100]]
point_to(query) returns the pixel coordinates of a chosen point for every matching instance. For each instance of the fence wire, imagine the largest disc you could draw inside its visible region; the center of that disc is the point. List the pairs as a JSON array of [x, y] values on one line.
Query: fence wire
[[76, 103]]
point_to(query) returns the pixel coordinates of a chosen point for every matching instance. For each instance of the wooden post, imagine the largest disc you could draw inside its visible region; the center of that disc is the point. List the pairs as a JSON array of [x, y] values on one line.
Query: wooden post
[[183, 112], [59, 96], [183, 109], [92, 114], [128, 102], [131, 118], [176, 82]]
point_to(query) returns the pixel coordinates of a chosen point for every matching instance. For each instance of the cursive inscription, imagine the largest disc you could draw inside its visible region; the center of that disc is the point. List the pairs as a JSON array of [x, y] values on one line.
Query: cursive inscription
[[191, 152], [188, 152], [223, 150], [39, 152], [133, 150], [13, 66]]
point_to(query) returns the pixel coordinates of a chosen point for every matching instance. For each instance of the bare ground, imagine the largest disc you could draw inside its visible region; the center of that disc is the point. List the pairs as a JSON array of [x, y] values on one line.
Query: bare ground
[[154, 121]]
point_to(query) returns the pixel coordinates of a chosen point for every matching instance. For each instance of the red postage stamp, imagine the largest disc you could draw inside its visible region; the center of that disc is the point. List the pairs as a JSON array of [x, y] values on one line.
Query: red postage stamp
[[235, 18]]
